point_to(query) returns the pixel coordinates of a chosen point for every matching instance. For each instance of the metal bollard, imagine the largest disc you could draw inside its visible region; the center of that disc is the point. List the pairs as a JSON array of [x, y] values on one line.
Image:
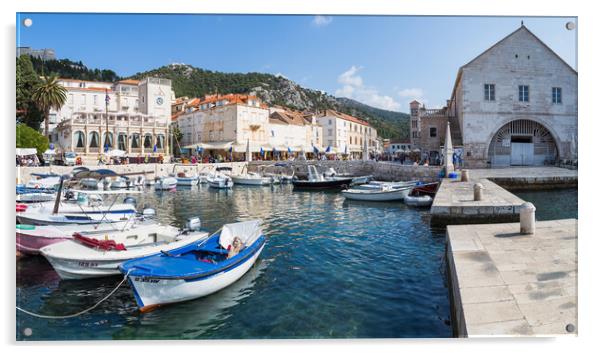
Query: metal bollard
[[465, 176], [478, 192], [527, 219]]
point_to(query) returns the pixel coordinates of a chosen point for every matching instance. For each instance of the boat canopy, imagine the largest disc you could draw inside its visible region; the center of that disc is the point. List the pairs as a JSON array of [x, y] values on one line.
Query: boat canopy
[[246, 231], [100, 173]]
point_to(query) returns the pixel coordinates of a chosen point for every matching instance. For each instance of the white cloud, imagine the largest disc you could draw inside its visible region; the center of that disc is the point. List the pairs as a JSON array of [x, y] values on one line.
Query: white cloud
[[411, 94], [354, 88], [320, 20]]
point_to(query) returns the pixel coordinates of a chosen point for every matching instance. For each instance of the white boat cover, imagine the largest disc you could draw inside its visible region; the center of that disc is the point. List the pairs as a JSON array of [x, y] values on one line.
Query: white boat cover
[[246, 231]]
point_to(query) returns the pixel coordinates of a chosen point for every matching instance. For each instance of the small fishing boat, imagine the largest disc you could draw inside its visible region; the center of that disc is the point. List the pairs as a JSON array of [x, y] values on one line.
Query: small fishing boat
[[187, 179], [429, 189], [220, 181], [384, 194], [166, 183], [197, 269], [90, 257], [252, 179], [87, 210], [120, 182], [91, 183], [355, 179], [31, 238], [35, 196], [316, 181], [203, 177], [419, 200], [50, 182]]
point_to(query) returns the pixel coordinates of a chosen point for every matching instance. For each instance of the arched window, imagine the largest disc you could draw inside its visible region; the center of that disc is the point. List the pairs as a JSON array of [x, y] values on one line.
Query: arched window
[[160, 141], [80, 139], [108, 140], [135, 141], [122, 141], [94, 139], [148, 141]]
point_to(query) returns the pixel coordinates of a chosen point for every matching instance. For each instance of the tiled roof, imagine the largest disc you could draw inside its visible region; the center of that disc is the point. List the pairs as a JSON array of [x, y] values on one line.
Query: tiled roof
[[129, 82], [333, 113], [289, 117], [97, 89]]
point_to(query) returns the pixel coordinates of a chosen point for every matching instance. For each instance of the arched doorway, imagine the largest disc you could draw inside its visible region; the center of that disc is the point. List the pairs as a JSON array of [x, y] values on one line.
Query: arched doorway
[[522, 143]]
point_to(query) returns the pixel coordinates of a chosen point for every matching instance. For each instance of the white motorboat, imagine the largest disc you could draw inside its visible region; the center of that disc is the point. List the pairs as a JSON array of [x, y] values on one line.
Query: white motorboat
[[384, 194], [87, 210], [220, 181], [187, 179], [252, 179], [50, 182], [35, 197], [376, 185], [91, 183], [31, 238], [166, 183], [203, 177], [195, 270], [90, 257], [120, 182], [419, 201]]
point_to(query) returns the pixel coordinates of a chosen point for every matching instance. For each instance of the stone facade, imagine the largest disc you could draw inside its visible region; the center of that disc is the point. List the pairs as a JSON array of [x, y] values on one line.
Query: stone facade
[[520, 59], [514, 104]]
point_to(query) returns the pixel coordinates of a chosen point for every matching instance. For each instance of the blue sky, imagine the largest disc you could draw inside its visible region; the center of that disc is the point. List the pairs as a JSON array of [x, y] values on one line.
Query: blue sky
[[383, 61]]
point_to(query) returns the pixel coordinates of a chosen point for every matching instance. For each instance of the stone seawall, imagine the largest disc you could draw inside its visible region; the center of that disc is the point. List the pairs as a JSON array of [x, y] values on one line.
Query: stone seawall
[[148, 170], [384, 171]]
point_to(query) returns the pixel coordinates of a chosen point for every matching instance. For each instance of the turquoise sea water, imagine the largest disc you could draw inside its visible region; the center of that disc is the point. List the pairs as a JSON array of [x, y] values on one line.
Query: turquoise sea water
[[331, 269], [552, 204]]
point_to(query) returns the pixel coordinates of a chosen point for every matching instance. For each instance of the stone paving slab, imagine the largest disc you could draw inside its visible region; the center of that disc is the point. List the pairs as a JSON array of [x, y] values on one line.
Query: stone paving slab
[[507, 284], [454, 203]]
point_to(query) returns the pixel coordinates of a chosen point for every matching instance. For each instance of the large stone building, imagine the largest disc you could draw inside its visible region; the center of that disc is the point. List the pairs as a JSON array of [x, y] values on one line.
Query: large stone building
[[138, 117], [514, 104], [219, 122], [346, 134]]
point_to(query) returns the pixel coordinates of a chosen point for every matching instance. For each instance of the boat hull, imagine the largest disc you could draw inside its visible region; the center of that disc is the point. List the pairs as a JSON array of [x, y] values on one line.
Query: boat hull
[[378, 196], [419, 201], [336, 184], [252, 181], [188, 181], [31, 244], [152, 292], [105, 263]]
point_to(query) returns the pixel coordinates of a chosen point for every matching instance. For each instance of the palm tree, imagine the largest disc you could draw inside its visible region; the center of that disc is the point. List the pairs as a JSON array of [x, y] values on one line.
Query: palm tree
[[49, 95]]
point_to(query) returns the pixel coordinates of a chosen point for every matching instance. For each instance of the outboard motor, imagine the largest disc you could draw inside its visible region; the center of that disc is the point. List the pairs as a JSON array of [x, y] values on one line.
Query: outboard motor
[[193, 224], [147, 211], [130, 200], [69, 195]]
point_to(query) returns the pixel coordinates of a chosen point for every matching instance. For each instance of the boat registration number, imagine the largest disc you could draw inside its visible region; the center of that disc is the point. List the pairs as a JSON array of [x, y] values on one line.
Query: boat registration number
[[88, 264], [145, 280]]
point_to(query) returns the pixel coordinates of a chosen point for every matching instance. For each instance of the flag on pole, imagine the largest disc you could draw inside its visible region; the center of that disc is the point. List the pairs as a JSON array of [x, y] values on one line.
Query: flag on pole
[[316, 151], [328, 148], [289, 150], [261, 151], [155, 148]]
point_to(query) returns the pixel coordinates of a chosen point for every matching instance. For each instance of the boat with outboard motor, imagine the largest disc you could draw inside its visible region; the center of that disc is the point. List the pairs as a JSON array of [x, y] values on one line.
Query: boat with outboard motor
[[31, 238], [317, 181], [87, 209], [197, 269], [220, 181], [165, 183], [385, 193], [90, 257]]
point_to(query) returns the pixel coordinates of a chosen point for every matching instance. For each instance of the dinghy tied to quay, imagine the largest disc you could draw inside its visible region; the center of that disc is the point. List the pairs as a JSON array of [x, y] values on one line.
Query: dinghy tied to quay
[[197, 269]]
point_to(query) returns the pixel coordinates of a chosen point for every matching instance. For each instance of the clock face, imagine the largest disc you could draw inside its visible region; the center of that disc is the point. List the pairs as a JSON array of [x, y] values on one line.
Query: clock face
[[159, 101]]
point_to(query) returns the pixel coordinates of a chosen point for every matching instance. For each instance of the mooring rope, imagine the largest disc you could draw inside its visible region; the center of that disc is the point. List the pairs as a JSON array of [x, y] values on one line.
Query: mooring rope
[[81, 312]]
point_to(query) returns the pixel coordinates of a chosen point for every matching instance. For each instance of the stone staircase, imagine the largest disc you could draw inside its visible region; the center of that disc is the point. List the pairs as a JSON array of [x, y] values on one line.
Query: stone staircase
[[456, 132]]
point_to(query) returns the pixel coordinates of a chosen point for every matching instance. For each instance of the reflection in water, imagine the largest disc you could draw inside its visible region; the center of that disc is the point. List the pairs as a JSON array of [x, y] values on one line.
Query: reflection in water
[[330, 269]]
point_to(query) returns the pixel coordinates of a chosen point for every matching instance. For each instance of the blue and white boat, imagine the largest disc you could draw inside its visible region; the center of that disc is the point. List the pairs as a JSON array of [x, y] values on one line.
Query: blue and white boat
[[197, 269]]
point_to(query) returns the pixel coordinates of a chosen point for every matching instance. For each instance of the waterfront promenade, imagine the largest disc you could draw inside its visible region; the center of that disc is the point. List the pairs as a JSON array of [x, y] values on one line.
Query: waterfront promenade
[[504, 283]]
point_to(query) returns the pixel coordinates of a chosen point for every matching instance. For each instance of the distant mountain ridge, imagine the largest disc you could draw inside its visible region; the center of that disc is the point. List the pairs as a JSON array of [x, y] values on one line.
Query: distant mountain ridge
[[272, 89]]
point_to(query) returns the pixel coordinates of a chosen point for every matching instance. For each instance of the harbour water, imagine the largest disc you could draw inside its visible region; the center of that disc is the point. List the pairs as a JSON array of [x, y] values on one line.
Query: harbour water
[[552, 204], [331, 269]]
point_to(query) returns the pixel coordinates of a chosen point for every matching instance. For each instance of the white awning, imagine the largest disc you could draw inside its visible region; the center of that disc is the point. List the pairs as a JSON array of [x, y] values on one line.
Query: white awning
[[115, 153], [26, 151], [217, 145], [253, 147], [50, 152]]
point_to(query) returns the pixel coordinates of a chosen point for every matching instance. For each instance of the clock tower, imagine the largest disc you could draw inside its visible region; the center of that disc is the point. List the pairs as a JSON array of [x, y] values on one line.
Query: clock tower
[[155, 98]]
